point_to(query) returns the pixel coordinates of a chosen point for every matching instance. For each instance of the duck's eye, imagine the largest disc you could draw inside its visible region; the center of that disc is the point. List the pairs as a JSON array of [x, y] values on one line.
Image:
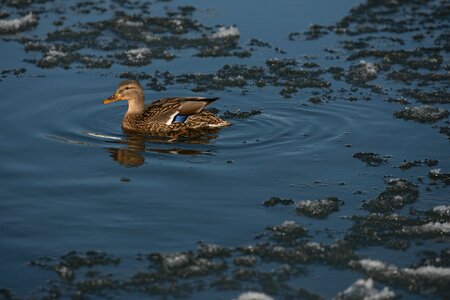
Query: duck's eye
[[127, 88]]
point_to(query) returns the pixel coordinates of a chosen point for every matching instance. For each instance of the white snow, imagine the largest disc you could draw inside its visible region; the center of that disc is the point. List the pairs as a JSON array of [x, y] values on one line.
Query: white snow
[[315, 245], [370, 67], [436, 227], [149, 37], [364, 289], [429, 271], [129, 23], [52, 55], [372, 265], [175, 260], [224, 32], [380, 267], [435, 171], [253, 296], [398, 197], [137, 54], [288, 226], [443, 209], [177, 22], [18, 24]]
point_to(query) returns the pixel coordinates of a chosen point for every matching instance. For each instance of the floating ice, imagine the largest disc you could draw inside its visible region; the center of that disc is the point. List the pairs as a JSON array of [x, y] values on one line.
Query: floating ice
[[129, 23], [397, 194], [138, 54], [318, 208], [253, 296], [288, 231], [150, 37], [435, 171], [422, 114], [315, 245], [212, 250], [429, 271], [64, 272], [175, 260], [14, 25], [364, 289], [385, 270], [433, 227], [53, 55], [177, 22], [361, 73], [225, 32], [370, 68], [437, 174], [370, 158], [443, 209], [375, 265]]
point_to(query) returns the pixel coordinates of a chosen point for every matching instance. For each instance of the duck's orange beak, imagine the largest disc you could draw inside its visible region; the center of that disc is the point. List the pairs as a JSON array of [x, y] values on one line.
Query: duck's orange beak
[[115, 97]]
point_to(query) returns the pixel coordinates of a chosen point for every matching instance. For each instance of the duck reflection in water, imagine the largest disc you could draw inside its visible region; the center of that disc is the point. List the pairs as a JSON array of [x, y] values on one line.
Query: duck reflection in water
[[135, 146]]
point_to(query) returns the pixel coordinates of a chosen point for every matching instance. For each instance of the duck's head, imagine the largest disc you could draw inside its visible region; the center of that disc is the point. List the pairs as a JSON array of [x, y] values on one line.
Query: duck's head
[[129, 90]]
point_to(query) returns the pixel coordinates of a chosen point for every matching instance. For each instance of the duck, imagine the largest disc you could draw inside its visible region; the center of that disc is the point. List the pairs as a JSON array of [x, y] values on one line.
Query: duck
[[166, 115]]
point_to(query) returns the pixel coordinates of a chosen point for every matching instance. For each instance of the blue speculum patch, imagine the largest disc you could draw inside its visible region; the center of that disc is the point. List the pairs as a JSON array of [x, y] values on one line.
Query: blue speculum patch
[[179, 119]]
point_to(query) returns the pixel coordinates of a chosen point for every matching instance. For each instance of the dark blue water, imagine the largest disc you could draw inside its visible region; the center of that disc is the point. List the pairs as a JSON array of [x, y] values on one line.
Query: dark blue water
[[70, 179]]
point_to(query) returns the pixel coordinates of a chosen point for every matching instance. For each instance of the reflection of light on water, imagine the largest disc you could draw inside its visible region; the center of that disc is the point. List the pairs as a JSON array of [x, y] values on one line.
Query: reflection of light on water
[[68, 141], [103, 136]]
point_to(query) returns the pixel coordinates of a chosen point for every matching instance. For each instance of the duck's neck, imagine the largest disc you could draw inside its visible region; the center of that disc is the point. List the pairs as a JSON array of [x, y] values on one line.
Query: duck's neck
[[136, 106]]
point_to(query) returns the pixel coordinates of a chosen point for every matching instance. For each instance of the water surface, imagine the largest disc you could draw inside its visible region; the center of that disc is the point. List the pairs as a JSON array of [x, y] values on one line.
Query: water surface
[[72, 180]]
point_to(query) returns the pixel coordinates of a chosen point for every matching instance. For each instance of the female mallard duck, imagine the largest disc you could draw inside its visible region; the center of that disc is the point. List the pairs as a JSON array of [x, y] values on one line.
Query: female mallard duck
[[164, 115]]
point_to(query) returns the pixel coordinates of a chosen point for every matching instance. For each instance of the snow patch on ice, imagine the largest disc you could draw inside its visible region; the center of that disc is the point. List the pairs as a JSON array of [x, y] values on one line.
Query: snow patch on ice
[[430, 272], [371, 69], [139, 53], [253, 296], [53, 55], [443, 209], [435, 171], [14, 25], [225, 32], [364, 289], [436, 227], [129, 23]]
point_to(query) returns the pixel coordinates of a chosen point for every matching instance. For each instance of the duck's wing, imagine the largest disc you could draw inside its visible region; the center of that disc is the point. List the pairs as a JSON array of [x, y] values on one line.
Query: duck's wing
[[165, 110]]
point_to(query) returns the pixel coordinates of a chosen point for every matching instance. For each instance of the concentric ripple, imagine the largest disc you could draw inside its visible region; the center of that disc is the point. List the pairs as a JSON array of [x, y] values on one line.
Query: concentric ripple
[[284, 127], [78, 118]]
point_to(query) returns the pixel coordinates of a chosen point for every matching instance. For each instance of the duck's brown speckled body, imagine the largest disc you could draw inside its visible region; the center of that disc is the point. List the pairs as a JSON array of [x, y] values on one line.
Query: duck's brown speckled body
[[164, 115]]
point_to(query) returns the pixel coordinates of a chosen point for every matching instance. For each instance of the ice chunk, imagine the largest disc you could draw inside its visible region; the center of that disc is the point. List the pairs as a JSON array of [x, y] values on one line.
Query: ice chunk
[[137, 57], [318, 208], [175, 260], [364, 289], [137, 54], [370, 68], [434, 227], [443, 209], [226, 32], [408, 274], [129, 23], [253, 296], [422, 114], [19, 24], [53, 55], [435, 171]]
